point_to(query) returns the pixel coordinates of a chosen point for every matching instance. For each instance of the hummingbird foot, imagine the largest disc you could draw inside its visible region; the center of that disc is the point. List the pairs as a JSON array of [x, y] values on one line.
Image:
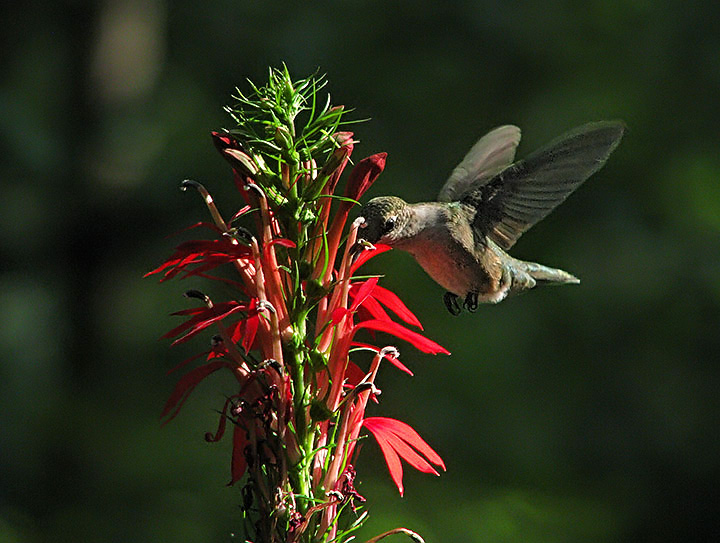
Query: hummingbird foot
[[451, 302], [471, 302]]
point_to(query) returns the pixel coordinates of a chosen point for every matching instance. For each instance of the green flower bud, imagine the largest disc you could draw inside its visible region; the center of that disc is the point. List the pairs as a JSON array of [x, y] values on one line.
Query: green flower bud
[[283, 138]]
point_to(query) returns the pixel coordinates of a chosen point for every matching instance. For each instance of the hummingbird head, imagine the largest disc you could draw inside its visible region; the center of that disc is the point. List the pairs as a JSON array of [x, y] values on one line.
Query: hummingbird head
[[385, 217]]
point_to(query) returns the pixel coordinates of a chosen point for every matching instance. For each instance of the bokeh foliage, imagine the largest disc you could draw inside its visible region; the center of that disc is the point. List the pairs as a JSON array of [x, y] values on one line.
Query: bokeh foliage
[[577, 414]]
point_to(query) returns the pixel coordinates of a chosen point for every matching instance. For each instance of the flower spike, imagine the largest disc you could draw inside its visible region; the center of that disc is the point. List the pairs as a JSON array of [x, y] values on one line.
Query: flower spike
[[290, 330]]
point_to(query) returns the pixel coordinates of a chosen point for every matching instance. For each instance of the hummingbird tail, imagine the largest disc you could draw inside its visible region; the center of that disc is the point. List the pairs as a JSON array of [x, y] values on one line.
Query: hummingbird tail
[[549, 276]]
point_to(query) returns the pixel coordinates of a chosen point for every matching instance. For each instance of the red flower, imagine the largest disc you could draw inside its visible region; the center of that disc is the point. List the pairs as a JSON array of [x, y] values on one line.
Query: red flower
[[187, 383], [202, 317], [417, 340], [364, 175], [398, 440], [198, 256], [378, 297]]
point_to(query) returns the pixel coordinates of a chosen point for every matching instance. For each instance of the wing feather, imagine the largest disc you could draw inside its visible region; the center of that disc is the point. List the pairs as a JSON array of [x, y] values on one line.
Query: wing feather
[[515, 199], [492, 153]]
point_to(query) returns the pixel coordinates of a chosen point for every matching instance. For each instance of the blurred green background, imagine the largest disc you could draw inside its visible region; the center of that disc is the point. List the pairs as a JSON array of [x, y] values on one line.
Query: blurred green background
[[583, 413]]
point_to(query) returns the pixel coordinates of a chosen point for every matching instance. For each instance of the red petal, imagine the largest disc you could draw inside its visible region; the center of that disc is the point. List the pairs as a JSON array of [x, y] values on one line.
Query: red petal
[[245, 330], [284, 242], [409, 454], [277, 241], [421, 342], [251, 329], [204, 263], [371, 309], [237, 331], [187, 324], [367, 254], [223, 141], [364, 175], [188, 311], [200, 322], [338, 314], [391, 457], [353, 374], [362, 291], [170, 262], [240, 213], [209, 253], [407, 434], [185, 386], [178, 266], [217, 436], [390, 300], [238, 465]]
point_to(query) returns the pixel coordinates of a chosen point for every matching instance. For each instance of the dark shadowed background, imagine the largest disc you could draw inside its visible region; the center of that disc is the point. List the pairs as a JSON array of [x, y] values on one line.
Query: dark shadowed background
[[583, 413]]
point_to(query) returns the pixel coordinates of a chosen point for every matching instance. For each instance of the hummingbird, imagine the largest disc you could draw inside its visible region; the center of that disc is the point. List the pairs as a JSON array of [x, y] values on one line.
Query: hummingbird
[[487, 203]]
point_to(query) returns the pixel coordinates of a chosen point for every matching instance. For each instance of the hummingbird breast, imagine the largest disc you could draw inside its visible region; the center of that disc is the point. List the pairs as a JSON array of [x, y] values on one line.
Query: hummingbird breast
[[444, 245]]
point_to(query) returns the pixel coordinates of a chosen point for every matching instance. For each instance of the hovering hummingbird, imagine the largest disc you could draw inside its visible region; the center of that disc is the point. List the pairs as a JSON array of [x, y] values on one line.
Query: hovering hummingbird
[[485, 206]]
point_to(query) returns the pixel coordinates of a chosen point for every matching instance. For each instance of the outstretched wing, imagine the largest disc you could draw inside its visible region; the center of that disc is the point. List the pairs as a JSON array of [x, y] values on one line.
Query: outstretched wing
[[523, 194], [494, 152]]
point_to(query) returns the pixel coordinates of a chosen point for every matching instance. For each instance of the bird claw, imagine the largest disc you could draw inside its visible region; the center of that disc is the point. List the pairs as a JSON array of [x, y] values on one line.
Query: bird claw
[[451, 302], [471, 302]]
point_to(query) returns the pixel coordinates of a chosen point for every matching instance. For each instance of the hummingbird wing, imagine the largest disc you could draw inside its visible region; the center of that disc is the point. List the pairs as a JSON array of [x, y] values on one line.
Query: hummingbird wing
[[526, 192], [494, 152]]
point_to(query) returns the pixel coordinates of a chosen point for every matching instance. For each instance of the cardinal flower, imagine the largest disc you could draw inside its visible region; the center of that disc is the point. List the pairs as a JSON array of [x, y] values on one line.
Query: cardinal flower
[[296, 321]]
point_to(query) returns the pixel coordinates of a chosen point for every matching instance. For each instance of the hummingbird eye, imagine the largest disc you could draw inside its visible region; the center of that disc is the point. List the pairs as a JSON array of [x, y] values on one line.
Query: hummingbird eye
[[389, 224]]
